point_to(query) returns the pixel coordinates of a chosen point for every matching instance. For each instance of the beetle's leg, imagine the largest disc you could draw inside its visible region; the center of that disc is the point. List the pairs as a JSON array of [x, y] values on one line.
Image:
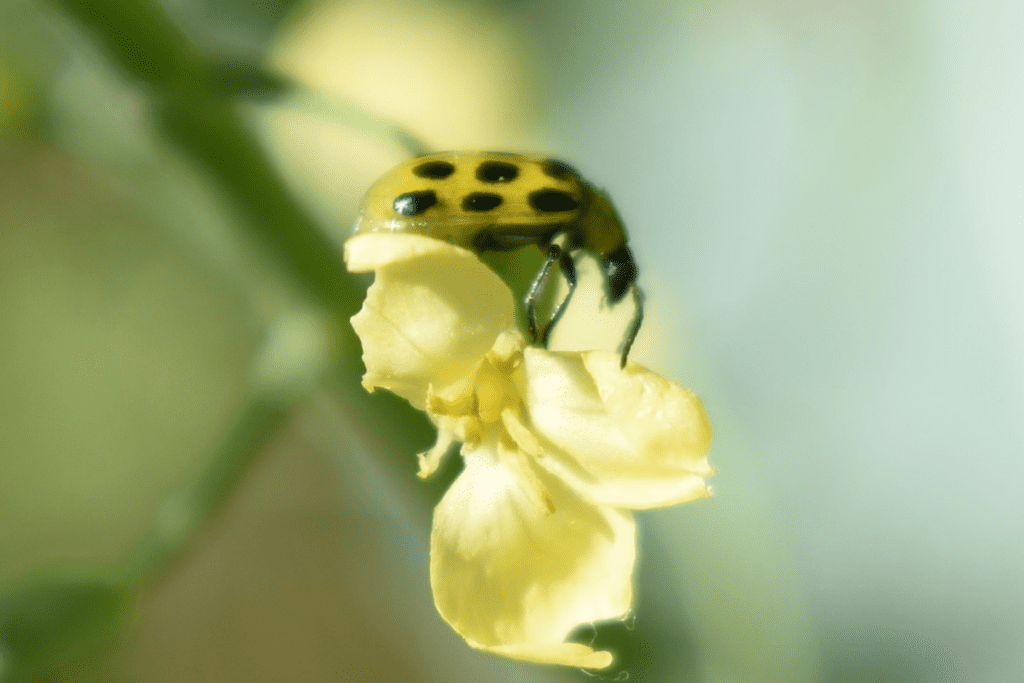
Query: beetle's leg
[[638, 320], [532, 294], [568, 267]]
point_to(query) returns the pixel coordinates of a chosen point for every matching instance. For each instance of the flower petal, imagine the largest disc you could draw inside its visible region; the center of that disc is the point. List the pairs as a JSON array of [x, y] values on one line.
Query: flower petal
[[567, 654], [431, 314], [623, 436], [514, 570]]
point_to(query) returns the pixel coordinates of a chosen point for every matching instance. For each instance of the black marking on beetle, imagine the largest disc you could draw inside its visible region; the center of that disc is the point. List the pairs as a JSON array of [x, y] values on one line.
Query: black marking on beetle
[[497, 172], [438, 170], [414, 203], [559, 170], [481, 201], [552, 201]]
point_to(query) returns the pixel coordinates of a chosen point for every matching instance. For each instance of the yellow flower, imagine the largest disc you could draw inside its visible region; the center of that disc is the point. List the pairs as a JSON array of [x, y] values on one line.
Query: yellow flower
[[534, 537]]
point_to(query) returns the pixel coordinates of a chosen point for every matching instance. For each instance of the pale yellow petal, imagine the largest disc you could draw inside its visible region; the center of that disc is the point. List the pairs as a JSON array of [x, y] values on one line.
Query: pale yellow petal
[[432, 313], [625, 437], [520, 433], [367, 252], [515, 570], [566, 654]]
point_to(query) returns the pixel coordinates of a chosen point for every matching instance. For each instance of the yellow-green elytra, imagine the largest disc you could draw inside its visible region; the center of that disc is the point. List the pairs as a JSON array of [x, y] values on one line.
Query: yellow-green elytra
[[500, 200]]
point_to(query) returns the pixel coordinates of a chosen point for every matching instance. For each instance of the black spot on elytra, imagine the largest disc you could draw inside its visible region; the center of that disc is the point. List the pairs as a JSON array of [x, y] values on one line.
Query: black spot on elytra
[[414, 203], [497, 172], [437, 170], [552, 201], [559, 170], [481, 201]]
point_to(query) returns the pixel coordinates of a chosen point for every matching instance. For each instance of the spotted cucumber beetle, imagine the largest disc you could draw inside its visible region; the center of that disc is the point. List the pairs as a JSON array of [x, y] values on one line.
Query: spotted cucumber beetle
[[499, 201]]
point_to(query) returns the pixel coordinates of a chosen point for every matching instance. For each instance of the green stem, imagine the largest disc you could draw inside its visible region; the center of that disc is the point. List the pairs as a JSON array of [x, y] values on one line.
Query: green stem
[[199, 119], [183, 513], [209, 129]]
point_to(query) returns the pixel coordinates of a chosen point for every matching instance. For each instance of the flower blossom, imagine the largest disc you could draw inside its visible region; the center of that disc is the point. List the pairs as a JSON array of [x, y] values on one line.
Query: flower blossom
[[534, 537]]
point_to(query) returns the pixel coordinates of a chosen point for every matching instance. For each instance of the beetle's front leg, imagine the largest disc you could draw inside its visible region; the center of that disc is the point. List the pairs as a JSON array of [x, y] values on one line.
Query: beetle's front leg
[[634, 329], [533, 293], [568, 267]]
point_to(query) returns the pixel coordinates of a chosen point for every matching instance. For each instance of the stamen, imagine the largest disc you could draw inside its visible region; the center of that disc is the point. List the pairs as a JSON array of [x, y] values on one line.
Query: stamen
[[520, 433], [517, 461]]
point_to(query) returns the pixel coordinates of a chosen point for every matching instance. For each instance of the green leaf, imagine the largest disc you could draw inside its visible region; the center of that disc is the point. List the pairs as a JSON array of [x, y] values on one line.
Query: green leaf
[[53, 621]]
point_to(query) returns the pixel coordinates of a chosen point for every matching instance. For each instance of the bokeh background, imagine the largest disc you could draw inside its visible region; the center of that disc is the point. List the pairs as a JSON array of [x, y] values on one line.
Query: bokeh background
[[825, 199]]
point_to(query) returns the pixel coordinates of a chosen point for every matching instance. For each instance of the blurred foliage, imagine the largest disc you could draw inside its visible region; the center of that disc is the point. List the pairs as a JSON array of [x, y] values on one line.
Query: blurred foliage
[[128, 289], [56, 622]]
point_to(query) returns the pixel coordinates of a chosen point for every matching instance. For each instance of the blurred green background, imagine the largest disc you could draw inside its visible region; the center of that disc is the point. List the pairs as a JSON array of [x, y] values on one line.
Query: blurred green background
[[825, 200]]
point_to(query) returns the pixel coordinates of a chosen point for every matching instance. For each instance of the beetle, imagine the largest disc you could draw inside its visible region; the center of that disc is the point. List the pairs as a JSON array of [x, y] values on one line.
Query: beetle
[[497, 201]]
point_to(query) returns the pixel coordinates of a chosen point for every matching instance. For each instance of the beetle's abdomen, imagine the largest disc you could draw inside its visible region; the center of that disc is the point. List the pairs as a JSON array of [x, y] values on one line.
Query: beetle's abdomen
[[455, 196]]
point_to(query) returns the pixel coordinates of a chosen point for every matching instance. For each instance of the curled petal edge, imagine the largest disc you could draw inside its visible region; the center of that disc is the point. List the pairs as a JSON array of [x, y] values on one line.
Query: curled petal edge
[[565, 654], [473, 536], [372, 251], [432, 313], [635, 440]]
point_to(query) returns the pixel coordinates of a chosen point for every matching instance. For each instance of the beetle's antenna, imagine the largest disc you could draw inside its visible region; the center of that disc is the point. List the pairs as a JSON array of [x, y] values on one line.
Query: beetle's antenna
[[638, 320]]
